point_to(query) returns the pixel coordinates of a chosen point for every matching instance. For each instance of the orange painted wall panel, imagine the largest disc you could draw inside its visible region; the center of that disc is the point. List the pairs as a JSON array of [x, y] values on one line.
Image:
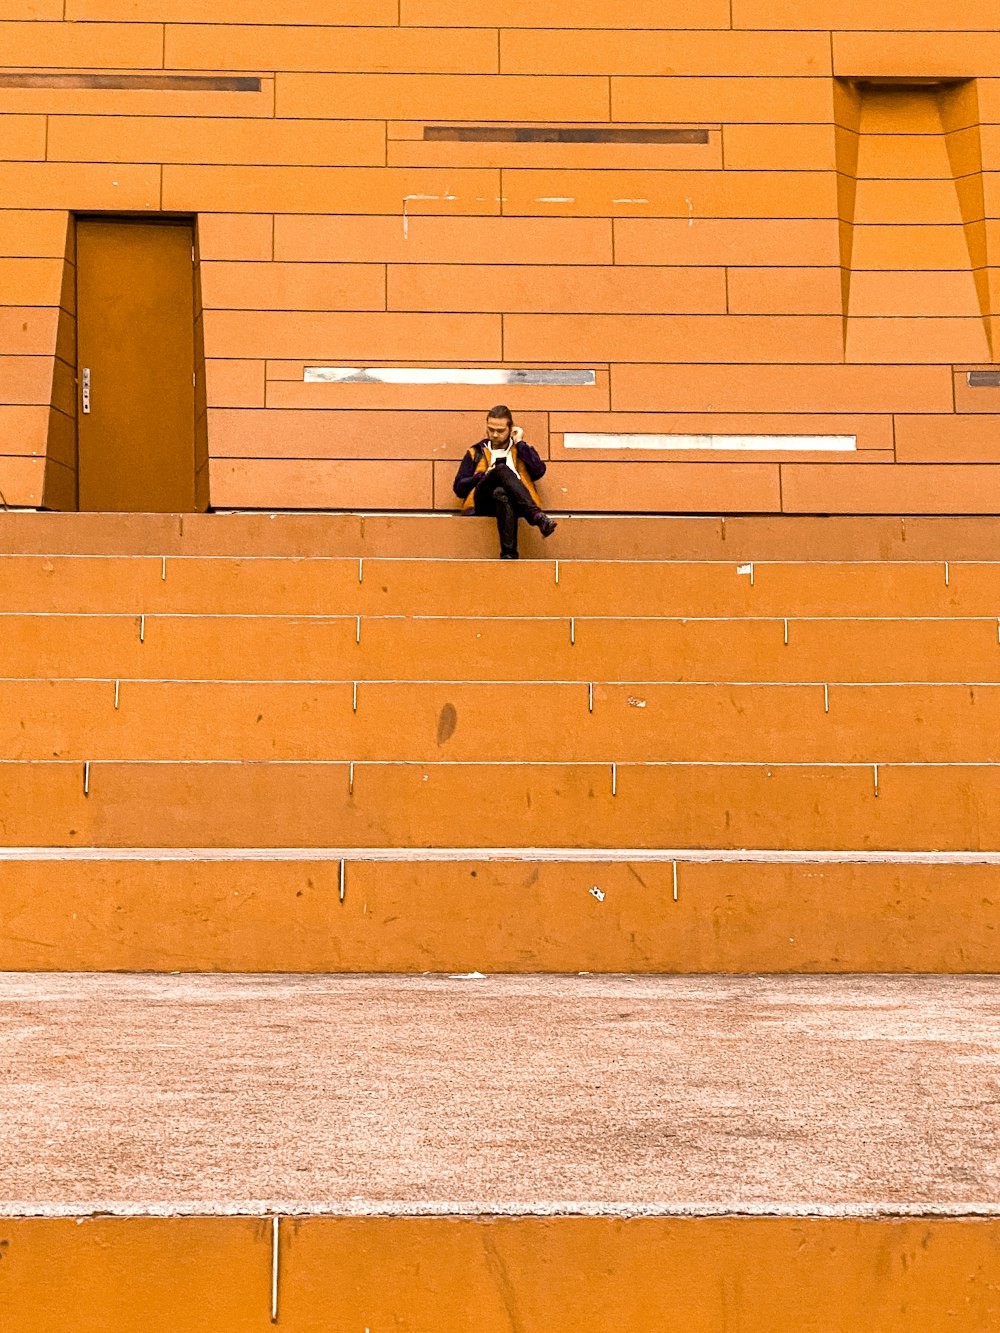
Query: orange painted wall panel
[[695, 338], [234, 384], [235, 236], [784, 291], [328, 189], [443, 96], [688, 195], [265, 483], [23, 139], [33, 232], [83, 101], [751, 100], [328, 287], [526, 288], [349, 13], [570, 14], [682, 388], [26, 379], [933, 53], [930, 340], [227, 142], [948, 439], [769, 242], [131, 45], [345, 433], [327, 339], [892, 17], [443, 240], [404, 50], [31, 281], [22, 480], [779, 147], [97, 187], [28, 330], [903, 489], [655, 51]]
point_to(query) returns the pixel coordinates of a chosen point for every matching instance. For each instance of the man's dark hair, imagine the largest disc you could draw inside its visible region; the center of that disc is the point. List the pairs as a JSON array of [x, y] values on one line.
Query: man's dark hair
[[501, 410]]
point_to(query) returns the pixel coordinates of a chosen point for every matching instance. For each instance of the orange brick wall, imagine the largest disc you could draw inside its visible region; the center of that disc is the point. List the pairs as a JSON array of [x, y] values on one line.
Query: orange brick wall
[[812, 268]]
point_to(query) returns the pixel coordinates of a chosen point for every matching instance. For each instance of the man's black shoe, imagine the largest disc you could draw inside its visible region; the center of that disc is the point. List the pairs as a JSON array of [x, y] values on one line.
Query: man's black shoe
[[546, 525], [508, 555]]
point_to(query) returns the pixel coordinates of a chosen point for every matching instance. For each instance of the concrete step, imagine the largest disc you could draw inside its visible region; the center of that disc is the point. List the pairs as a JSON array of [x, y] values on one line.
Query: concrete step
[[481, 910], [937, 807], [284, 647], [432, 1152], [451, 536], [511, 722], [258, 585]]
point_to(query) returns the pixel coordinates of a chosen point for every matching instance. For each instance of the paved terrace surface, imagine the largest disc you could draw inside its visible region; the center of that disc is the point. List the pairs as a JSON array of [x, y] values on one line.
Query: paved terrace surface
[[526, 1095]]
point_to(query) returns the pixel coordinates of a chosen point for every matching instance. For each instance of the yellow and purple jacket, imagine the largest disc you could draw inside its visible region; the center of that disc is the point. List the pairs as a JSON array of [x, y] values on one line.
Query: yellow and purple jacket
[[528, 466]]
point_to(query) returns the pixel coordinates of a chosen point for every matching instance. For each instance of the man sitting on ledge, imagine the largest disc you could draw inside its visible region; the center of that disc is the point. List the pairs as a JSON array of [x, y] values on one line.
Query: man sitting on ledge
[[496, 477]]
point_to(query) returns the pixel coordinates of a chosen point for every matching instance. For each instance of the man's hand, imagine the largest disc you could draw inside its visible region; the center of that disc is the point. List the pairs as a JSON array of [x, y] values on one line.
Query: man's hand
[[516, 435]]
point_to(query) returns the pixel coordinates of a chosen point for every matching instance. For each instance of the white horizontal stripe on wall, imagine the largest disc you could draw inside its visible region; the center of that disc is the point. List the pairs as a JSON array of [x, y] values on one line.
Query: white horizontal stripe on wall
[[827, 444], [442, 375]]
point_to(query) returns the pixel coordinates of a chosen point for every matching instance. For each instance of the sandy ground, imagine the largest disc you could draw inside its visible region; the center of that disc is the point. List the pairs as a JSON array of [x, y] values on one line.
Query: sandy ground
[[502, 1094]]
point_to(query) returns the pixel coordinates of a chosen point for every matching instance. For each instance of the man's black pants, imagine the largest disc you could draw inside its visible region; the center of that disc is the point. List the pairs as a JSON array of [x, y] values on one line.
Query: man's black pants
[[502, 494]]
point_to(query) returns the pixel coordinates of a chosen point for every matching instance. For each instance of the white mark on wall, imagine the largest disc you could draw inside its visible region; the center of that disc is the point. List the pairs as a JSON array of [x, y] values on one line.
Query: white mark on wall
[[597, 893], [630, 201], [556, 199], [406, 215], [636, 703], [690, 212]]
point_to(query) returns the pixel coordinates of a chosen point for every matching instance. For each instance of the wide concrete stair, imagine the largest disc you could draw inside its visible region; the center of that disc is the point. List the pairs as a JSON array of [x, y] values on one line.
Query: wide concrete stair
[[324, 749]]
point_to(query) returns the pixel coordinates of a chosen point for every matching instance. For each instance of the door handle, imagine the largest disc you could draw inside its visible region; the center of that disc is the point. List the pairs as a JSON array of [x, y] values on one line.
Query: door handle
[[86, 389]]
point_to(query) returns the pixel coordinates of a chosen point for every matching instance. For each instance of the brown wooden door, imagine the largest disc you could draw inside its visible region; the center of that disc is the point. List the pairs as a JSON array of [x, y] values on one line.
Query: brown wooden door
[[135, 365]]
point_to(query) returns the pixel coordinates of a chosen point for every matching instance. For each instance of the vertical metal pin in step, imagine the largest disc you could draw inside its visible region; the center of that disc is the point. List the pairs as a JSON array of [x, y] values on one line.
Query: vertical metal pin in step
[[875, 772], [350, 780], [343, 882], [614, 779], [361, 569], [355, 704], [163, 570], [946, 573], [142, 629], [572, 629], [357, 635], [557, 571], [826, 698], [86, 778], [275, 1252], [590, 698], [117, 689], [675, 881], [786, 631]]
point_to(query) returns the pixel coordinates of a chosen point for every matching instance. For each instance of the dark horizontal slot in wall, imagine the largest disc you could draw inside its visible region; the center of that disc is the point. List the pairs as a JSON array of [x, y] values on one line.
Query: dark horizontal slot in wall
[[553, 134], [183, 83], [984, 379]]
